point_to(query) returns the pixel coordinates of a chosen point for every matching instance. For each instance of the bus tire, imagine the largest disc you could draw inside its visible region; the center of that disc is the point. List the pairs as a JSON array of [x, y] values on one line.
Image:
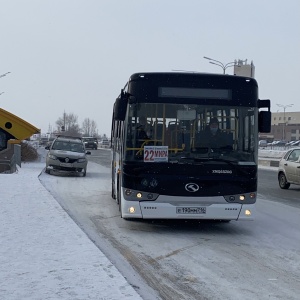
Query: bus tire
[[119, 195], [113, 194]]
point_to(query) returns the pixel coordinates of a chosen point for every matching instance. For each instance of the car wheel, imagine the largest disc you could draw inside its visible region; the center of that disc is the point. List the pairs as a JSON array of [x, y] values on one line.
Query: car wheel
[[283, 182], [47, 171], [84, 173]]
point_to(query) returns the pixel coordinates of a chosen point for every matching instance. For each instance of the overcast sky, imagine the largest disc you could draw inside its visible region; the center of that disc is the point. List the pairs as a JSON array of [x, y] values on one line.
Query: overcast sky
[[76, 55]]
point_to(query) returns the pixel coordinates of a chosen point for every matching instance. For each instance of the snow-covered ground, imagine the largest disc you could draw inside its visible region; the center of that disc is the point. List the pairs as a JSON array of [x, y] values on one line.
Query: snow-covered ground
[[275, 154], [44, 254]]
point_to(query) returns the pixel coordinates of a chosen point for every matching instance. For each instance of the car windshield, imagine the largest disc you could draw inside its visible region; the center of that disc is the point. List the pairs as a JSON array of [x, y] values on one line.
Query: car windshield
[[68, 146]]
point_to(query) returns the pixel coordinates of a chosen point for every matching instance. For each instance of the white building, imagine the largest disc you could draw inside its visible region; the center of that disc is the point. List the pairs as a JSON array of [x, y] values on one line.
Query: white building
[[241, 68]]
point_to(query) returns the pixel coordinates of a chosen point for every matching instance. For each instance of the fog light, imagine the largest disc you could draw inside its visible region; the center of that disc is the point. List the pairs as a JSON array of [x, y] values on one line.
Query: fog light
[[150, 196], [231, 198], [128, 192], [131, 210], [139, 195], [252, 195], [248, 212], [242, 197]]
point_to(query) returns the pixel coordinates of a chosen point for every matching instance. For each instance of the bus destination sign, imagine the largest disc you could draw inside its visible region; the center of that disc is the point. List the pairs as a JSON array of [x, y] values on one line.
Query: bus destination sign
[[156, 154]]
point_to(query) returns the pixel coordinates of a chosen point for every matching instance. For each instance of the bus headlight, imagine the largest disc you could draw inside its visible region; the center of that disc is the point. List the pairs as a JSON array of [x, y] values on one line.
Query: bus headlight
[[242, 197], [248, 212], [131, 210], [139, 195]]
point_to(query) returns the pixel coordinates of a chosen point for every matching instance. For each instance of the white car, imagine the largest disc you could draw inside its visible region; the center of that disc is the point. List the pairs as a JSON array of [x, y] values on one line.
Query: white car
[[263, 143], [289, 169]]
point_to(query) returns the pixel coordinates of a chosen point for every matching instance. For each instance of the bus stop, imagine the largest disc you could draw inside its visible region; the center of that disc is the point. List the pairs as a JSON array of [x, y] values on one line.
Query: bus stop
[[12, 131]]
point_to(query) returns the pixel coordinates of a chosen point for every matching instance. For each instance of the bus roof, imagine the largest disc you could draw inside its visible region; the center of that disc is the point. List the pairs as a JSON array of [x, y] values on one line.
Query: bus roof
[[190, 75]]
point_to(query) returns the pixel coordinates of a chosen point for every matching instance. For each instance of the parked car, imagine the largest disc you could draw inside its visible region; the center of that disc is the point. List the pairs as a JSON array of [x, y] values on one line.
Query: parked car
[[104, 142], [263, 143], [90, 142], [67, 154], [289, 143], [295, 143], [289, 168], [279, 143]]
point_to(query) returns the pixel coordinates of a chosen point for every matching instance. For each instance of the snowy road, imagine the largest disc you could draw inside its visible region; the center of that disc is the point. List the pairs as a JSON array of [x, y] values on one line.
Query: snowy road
[[188, 260]]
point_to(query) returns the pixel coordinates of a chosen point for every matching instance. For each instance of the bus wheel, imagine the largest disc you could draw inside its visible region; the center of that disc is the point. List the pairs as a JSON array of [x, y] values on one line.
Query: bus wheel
[[113, 194], [119, 196]]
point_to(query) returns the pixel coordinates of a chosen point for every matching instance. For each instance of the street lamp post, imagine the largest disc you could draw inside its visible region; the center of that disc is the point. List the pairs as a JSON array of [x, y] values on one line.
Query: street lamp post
[[4, 74], [284, 122], [218, 63]]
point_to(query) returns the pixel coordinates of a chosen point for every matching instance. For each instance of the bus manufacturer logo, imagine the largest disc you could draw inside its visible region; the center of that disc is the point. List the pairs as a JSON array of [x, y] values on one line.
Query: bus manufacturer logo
[[192, 187], [67, 159], [222, 171]]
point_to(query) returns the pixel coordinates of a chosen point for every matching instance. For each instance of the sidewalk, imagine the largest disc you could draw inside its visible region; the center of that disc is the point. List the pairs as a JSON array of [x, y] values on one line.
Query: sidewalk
[[43, 253]]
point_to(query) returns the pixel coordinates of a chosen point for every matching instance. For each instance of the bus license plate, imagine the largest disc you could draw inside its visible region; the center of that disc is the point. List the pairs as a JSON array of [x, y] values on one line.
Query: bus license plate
[[191, 210]]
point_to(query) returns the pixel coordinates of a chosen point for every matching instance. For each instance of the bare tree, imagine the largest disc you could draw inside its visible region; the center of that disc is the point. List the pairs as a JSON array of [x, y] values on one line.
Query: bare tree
[[68, 124], [89, 127]]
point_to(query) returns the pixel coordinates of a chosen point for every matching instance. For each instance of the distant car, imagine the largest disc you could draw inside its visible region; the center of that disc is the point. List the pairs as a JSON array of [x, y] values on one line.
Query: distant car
[[90, 142], [278, 143], [289, 168], [263, 143], [105, 142], [67, 154], [295, 143], [289, 143]]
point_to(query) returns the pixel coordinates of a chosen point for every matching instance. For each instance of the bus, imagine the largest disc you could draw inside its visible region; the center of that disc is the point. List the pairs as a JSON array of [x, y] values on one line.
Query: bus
[[171, 172]]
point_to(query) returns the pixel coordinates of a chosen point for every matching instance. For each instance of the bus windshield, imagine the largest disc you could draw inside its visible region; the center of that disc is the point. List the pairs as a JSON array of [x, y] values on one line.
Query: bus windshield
[[190, 133]]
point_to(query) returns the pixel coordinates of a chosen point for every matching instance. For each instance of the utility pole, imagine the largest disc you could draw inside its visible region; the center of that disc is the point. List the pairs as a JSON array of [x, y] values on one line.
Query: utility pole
[[284, 122]]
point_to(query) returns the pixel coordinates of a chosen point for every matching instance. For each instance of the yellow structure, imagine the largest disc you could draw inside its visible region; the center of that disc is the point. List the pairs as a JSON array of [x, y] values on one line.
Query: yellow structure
[[15, 126]]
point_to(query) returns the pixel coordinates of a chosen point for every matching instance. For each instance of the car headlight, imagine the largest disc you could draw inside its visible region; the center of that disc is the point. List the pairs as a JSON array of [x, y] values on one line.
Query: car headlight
[[81, 160], [52, 156]]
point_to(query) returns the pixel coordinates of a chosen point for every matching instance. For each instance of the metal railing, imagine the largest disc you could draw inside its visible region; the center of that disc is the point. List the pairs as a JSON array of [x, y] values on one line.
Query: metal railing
[[10, 159]]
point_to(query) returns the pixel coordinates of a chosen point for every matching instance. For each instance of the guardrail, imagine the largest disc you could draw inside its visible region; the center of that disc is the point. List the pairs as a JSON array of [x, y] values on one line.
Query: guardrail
[[8, 166]]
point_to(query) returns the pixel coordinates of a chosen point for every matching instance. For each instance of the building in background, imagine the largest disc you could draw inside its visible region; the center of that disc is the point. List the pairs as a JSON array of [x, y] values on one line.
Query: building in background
[[286, 126], [241, 68]]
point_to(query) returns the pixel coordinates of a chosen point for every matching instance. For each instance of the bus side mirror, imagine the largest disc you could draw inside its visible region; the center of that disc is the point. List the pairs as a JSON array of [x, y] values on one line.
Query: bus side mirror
[[120, 107], [264, 121]]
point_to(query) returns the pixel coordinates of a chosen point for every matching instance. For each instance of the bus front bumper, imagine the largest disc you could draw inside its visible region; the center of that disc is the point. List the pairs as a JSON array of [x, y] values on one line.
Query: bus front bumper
[[153, 210]]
